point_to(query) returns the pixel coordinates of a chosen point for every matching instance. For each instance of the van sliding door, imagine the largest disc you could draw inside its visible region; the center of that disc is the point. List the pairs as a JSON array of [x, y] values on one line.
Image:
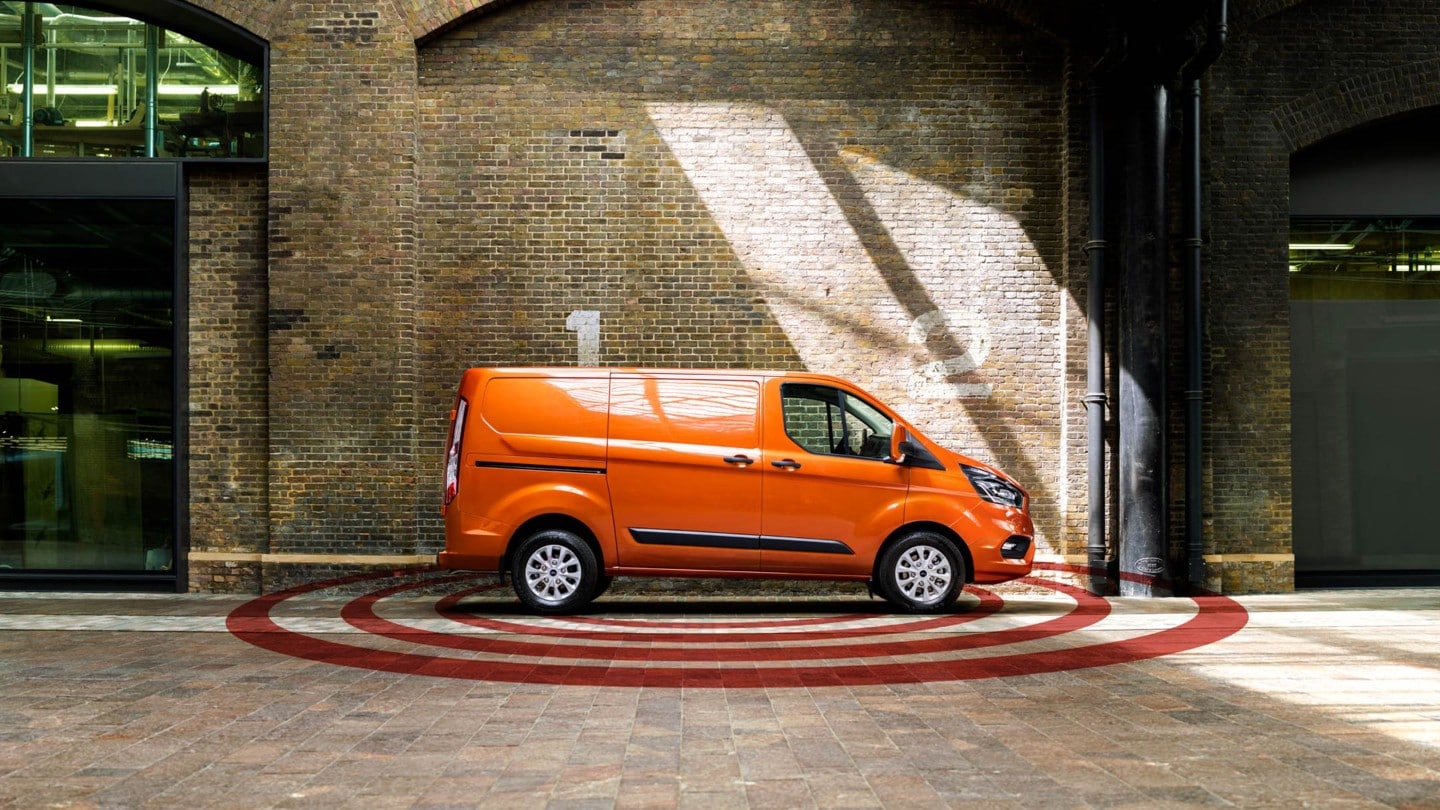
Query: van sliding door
[[684, 472]]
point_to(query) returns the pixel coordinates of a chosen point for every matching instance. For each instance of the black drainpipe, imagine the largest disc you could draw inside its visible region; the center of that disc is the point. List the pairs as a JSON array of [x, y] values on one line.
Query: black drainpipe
[[1194, 337], [1095, 348], [1099, 561]]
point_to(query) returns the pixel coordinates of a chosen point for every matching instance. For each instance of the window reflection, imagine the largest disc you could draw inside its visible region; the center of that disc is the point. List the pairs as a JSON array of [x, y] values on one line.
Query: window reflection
[[87, 385], [829, 421], [102, 85], [678, 411], [1365, 388], [1364, 258]]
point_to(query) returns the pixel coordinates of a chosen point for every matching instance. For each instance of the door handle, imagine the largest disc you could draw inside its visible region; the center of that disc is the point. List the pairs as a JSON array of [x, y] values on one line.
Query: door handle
[[786, 464], [741, 459]]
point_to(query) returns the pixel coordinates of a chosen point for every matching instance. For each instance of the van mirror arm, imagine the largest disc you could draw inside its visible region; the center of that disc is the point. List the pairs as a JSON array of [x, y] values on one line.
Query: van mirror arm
[[899, 440], [910, 453]]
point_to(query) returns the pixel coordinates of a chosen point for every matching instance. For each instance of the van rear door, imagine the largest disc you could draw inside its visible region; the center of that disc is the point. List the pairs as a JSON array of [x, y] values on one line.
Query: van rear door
[[684, 471]]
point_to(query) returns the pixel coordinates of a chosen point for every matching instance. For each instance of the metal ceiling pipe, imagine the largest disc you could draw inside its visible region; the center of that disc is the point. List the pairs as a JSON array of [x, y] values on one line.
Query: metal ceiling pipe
[[152, 87], [1194, 325], [27, 90]]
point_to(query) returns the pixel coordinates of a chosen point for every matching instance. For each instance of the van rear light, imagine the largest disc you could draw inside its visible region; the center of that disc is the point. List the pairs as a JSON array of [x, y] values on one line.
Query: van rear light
[[452, 452]]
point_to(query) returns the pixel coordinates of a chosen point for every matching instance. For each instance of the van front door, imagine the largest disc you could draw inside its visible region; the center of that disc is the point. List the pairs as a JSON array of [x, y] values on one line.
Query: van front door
[[684, 472], [830, 496]]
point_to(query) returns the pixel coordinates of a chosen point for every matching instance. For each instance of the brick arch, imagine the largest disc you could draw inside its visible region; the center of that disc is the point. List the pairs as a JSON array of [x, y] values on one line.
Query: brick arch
[[193, 16], [419, 18], [253, 17], [1353, 101], [428, 18], [268, 20], [1260, 9]]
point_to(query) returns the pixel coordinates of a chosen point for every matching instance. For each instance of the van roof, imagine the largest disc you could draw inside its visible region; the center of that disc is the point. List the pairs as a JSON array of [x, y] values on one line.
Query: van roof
[[600, 371]]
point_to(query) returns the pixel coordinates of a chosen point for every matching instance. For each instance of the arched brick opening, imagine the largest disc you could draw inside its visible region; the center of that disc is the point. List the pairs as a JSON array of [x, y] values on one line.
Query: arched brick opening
[[1356, 100]]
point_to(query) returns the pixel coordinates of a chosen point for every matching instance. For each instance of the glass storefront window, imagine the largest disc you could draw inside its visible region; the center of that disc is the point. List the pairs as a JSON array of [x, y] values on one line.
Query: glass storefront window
[[1365, 388], [1364, 258], [87, 387], [103, 85]]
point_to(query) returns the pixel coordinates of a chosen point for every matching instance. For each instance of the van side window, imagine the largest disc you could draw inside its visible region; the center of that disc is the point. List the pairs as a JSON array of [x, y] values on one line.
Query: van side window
[[828, 421]]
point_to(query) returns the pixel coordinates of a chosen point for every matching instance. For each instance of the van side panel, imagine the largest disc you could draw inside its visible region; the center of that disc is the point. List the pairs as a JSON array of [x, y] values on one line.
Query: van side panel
[[684, 472], [543, 420], [533, 446]]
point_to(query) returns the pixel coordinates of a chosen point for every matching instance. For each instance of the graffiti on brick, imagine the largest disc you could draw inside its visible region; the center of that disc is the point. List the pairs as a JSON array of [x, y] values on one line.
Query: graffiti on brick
[[935, 381], [585, 323]]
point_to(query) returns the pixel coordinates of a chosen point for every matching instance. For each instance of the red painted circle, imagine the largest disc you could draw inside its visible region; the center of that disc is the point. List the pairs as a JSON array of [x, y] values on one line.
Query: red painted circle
[[989, 603], [1217, 617], [758, 623], [361, 614]]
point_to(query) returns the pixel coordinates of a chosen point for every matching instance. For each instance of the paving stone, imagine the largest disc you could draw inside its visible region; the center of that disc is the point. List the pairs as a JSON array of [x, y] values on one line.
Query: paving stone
[[1320, 701]]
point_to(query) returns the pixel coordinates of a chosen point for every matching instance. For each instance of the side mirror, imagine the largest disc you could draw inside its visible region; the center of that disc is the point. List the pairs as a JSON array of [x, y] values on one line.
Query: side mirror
[[899, 443]]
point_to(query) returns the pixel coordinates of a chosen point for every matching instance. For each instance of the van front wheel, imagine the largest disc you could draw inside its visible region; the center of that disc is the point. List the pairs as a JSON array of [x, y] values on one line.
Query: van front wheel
[[554, 571], [921, 572]]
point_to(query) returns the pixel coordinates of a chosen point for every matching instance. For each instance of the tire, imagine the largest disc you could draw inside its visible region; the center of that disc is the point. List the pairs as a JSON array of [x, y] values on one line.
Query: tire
[[554, 571], [921, 572]]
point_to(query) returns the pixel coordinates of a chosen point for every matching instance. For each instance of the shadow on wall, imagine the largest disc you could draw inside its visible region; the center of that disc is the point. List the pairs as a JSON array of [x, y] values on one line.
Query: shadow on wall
[[755, 184], [967, 290]]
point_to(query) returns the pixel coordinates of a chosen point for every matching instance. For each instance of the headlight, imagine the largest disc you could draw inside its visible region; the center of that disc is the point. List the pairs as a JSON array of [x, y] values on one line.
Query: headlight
[[993, 488]]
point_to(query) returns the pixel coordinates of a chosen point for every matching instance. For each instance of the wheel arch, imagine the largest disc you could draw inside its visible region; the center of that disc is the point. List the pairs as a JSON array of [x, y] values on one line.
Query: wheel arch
[[541, 523], [925, 526]]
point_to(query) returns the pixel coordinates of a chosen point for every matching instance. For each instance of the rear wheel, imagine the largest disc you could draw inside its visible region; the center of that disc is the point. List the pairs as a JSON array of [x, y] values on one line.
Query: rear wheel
[[554, 571], [922, 572]]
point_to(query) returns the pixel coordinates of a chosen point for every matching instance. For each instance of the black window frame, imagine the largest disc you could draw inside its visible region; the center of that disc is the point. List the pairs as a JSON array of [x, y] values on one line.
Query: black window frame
[[840, 404], [124, 179]]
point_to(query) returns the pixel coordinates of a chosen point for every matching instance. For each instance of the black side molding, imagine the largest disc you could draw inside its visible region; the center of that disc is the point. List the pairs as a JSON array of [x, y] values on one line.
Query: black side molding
[[813, 545], [667, 537], [497, 465]]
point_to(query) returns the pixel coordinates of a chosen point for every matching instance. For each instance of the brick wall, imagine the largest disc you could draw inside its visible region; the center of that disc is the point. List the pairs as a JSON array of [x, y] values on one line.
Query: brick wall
[[872, 190], [228, 386], [1285, 81], [890, 191], [341, 277]]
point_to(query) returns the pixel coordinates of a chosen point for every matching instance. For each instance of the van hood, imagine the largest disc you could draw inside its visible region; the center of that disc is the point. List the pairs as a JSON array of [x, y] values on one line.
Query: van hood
[[953, 461]]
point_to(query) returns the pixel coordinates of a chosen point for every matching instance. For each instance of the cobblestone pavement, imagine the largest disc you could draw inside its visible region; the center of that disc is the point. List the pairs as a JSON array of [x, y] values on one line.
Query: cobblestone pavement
[[405, 699]]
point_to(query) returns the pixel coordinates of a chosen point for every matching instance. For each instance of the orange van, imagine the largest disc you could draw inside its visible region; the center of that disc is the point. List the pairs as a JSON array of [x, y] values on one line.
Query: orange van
[[562, 478]]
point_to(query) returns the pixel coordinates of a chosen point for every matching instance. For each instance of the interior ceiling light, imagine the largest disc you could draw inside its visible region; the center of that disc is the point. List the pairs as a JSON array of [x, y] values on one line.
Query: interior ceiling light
[[1321, 246], [194, 89], [70, 89]]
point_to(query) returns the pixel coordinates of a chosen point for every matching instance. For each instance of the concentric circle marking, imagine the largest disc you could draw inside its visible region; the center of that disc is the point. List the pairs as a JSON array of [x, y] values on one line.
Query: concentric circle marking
[[361, 614], [676, 624], [776, 653], [989, 603]]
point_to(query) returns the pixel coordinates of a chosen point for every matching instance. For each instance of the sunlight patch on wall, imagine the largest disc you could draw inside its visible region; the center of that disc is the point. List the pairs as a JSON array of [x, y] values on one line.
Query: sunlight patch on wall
[[928, 334]]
